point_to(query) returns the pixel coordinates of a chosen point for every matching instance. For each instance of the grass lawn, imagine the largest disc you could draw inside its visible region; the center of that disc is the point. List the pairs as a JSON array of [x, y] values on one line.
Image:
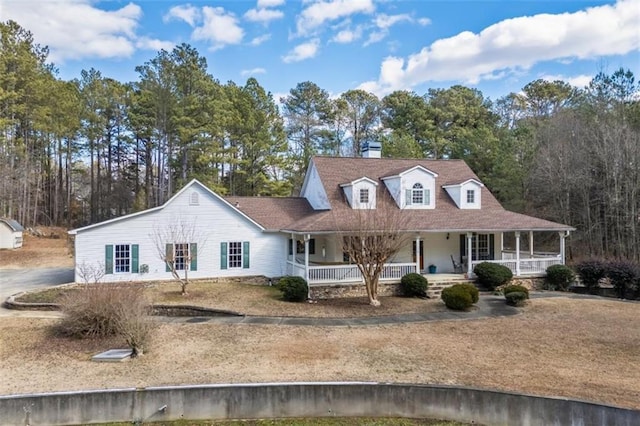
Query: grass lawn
[[586, 349], [253, 299]]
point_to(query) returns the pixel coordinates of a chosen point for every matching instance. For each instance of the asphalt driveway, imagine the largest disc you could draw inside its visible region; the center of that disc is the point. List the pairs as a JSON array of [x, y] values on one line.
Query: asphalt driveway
[[14, 281]]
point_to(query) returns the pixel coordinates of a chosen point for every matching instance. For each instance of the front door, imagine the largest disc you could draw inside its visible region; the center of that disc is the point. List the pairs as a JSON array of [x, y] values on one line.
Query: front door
[[421, 254]]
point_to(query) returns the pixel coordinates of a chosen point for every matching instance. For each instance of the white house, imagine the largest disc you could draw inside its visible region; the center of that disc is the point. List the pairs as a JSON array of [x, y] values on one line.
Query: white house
[[10, 234], [451, 216]]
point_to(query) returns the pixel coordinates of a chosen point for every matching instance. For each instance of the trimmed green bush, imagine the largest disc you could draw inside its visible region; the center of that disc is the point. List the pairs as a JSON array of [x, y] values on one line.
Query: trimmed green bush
[[492, 275], [294, 289], [413, 285], [516, 298], [472, 290], [559, 277], [591, 272], [456, 298], [515, 288]]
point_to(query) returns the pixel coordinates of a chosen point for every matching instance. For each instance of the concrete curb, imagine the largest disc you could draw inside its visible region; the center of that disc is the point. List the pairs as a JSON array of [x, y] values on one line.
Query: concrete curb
[[331, 399]]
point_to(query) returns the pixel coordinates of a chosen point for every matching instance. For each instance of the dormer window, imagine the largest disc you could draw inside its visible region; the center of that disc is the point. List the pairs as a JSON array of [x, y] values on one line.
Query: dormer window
[[471, 196], [364, 196], [417, 194]]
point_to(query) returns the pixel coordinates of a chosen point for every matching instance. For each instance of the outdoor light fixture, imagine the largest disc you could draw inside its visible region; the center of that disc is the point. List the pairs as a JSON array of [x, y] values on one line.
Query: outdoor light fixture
[[447, 235]]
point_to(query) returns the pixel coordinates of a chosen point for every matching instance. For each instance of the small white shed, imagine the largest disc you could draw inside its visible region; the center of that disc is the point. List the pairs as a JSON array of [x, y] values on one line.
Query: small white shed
[[10, 234]]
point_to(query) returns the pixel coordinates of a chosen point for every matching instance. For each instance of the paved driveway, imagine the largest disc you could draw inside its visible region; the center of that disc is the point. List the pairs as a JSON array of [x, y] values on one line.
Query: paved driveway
[[14, 281]]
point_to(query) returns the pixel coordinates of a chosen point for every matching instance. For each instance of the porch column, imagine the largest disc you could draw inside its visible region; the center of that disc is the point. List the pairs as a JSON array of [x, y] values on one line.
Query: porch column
[[502, 245], [307, 237], [469, 253], [531, 244], [517, 253], [418, 254], [563, 235]]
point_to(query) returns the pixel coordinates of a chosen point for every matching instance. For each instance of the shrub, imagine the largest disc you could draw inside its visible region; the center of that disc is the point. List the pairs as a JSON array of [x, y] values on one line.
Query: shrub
[[492, 275], [413, 285], [516, 298], [514, 288], [559, 277], [591, 272], [103, 310], [460, 296], [625, 277], [294, 289], [472, 290]]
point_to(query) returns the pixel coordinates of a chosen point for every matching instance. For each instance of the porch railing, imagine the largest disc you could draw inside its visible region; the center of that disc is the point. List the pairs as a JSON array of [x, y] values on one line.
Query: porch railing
[[527, 266], [347, 273], [511, 254]]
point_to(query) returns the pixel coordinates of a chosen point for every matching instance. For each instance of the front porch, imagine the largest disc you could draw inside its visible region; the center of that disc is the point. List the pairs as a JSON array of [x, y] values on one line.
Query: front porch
[[428, 252]]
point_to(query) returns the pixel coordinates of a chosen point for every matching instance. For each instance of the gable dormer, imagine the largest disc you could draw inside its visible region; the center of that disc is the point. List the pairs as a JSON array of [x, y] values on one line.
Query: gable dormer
[[466, 195], [361, 193], [414, 188]]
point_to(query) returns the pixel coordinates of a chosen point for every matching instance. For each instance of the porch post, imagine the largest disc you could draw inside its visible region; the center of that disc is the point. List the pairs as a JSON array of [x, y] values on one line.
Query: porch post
[[531, 244], [517, 253], [562, 246], [418, 253], [307, 237], [469, 253], [502, 245]]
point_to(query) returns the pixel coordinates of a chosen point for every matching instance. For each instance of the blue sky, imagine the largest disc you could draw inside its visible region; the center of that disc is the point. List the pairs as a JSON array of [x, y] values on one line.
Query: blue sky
[[377, 45]]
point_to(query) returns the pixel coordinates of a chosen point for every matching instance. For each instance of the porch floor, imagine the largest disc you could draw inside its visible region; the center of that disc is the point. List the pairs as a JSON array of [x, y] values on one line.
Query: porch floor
[[445, 278]]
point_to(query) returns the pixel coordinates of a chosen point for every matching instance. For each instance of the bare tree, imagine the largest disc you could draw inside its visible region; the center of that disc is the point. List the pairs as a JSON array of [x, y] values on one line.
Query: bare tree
[[372, 236], [177, 243], [91, 272]]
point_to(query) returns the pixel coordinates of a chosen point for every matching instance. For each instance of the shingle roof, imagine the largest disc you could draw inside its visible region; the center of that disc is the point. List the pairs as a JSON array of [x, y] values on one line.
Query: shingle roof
[[295, 214]]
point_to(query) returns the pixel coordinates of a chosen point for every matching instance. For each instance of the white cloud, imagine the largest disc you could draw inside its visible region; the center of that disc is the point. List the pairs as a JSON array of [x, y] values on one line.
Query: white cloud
[[187, 13], [579, 81], [303, 51], [516, 44], [219, 27], [319, 12], [147, 43], [263, 15], [253, 71], [257, 41], [269, 3], [75, 29], [424, 21], [348, 35], [384, 21], [375, 37]]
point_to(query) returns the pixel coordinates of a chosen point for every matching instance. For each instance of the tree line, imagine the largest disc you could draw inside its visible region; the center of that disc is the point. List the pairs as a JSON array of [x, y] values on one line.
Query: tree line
[[81, 151]]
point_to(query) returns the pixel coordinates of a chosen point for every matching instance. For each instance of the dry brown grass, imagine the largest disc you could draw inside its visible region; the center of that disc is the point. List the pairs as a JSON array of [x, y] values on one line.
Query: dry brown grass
[[52, 250], [587, 349]]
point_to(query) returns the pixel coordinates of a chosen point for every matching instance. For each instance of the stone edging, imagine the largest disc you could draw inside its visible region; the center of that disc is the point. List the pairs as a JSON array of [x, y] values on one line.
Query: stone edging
[[330, 399]]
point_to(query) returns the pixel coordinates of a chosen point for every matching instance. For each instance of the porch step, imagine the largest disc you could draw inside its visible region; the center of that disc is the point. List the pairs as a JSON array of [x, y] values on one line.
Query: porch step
[[434, 290]]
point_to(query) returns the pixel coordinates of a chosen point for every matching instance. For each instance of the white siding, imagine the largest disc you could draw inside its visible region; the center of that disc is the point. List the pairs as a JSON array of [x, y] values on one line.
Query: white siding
[[9, 239], [395, 189], [313, 190], [216, 222], [470, 186]]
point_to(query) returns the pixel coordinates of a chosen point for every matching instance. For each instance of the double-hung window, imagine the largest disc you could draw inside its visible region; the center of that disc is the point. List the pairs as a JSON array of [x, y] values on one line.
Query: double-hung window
[[122, 258], [417, 194], [234, 255], [180, 256], [471, 196], [364, 196]]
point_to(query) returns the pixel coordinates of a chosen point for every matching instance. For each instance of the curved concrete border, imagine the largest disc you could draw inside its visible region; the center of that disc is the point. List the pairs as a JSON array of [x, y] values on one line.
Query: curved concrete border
[[278, 400]]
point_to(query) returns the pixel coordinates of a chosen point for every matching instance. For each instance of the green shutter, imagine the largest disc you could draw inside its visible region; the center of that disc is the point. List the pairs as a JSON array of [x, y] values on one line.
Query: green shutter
[[312, 246], [408, 196], [427, 197], [245, 254], [169, 256], [290, 247], [193, 251], [463, 246], [223, 255], [492, 247], [135, 268], [108, 259]]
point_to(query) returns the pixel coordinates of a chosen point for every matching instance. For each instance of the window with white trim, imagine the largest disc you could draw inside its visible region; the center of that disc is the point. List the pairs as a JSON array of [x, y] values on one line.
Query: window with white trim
[[417, 194], [122, 258], [471, 196], [235, 254], [364, 196], [180, 256]]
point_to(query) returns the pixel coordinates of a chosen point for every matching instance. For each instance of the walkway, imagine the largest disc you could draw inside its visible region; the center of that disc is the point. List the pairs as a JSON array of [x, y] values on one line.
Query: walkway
[[488, 306]]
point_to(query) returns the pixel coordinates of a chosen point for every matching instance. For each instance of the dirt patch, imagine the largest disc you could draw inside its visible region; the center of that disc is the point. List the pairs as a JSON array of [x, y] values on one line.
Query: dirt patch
[[48, 248], [585, 349]]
